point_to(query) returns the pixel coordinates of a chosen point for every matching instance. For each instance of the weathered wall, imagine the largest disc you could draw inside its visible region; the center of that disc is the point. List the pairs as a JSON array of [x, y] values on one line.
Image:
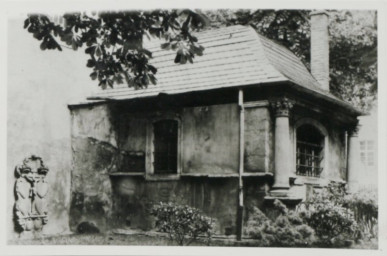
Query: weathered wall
[[258, 140], [211, 139], [210, 145], [336, 164], [210, 136], [39, 86], [94, 156], [216, 197]]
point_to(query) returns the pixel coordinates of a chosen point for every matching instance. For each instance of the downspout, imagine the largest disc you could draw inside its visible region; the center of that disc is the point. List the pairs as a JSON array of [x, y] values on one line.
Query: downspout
[[241, 164], [346, 156]]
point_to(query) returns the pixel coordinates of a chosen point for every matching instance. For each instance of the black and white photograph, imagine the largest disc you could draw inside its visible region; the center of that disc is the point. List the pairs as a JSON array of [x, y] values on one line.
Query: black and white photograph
[[177, 127]]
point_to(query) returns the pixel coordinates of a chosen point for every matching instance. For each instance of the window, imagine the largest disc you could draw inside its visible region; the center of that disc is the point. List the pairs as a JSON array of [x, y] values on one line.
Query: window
[[165, 147], [309, 151], [367, 152]]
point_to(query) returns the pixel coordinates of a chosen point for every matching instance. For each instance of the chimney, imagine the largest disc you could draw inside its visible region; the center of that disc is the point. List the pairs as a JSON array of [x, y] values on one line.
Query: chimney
[[320, 47]]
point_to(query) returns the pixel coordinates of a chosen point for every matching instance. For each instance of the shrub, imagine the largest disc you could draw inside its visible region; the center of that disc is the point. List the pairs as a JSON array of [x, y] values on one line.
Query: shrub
[[365, 208], [183, 223], [332, 223], [338, 216], [288, 229]]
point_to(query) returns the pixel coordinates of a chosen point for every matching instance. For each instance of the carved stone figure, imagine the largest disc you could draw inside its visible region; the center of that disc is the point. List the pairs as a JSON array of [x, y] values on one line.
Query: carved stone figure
[[31, 189]]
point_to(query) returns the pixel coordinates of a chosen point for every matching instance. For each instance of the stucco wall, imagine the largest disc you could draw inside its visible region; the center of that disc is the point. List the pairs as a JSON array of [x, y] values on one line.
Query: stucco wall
[[336, 165], [39, 86], [216, 197], [210, 136], [134, 197], [210, 144], [258, 140], [211, 139], [94, 156]]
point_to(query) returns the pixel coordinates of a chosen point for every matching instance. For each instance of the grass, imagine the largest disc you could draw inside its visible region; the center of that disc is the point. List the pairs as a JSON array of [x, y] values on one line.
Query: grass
[[141, 240], [96, 239], [120, 239]]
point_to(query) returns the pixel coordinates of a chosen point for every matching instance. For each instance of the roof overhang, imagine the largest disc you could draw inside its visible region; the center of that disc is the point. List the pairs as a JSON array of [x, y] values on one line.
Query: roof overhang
[[280, 85]]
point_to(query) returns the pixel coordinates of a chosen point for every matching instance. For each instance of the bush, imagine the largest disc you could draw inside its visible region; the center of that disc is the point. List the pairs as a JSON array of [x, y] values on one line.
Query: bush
[[288, 229], [332, 224], [183, 223], [338, 216], [365, 208]]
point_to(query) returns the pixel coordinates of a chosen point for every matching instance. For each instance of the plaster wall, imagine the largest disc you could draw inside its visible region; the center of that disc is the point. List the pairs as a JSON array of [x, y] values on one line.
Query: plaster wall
[[210, 144], [39, 86], [216, 197], [210, 136], [211, 139], [258, 140], [95, 155], [336, 166]]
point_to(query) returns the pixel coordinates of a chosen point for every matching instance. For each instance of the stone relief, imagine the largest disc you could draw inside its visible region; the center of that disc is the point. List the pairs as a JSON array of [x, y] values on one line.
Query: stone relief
[[31, 188]]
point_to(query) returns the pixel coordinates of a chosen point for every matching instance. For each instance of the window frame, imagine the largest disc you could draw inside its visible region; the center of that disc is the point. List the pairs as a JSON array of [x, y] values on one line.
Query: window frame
[[367, 152], [325, 161], [150, 170]]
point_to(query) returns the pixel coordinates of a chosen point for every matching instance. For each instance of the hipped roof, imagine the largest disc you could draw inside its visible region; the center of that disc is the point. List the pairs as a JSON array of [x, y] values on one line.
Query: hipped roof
[[234, 56]]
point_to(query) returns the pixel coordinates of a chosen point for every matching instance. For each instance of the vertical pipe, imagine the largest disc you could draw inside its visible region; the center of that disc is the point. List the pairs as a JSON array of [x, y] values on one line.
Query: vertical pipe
[[346, 155], [353, 159], [241, 166]]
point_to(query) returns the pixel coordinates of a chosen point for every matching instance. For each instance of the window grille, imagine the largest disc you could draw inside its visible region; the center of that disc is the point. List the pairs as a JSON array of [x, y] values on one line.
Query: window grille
[[165, 147], [310, 151], [309, 157]]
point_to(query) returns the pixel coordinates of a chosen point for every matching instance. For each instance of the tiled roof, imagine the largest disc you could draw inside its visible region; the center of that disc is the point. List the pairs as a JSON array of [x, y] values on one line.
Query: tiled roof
[[233, 56]]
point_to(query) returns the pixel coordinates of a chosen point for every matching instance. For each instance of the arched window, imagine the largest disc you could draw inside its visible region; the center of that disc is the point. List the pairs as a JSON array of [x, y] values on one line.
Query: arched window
[[310, 147], [165, 147]]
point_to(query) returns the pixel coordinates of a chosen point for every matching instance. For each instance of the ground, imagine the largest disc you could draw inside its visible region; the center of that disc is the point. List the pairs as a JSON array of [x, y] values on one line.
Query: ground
[[115, 239], [142, 239]]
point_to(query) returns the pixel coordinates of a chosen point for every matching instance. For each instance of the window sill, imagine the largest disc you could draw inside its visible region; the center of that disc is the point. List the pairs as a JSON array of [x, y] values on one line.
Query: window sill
[[306, 180], [141, 174], [162, 177], [227, 175]]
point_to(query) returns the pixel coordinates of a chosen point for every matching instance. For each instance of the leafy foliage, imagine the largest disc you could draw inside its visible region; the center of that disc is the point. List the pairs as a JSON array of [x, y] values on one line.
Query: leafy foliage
[[288, 229], [338, 216], [114, 40], [183, 223], [364, 205], [331, 222]]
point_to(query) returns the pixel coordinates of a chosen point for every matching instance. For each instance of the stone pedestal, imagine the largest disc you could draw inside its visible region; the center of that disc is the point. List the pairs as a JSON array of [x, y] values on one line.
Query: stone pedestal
[[353, 159], [282, 157]]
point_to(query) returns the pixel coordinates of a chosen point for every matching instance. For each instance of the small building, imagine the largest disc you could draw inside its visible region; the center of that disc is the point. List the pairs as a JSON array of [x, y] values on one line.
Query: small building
[[368, 139], [245, 124]]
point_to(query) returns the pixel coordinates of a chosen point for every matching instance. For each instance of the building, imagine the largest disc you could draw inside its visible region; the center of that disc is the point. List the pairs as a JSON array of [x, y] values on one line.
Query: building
[[368, 139], [245, 124]]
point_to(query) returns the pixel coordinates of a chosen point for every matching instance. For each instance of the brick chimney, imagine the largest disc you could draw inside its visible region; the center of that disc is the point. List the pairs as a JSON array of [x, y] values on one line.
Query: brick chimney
[[320, 47]]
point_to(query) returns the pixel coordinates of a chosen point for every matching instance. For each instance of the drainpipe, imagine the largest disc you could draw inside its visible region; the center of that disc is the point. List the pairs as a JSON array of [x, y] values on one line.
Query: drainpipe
[[353, 159], [239, 225]]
